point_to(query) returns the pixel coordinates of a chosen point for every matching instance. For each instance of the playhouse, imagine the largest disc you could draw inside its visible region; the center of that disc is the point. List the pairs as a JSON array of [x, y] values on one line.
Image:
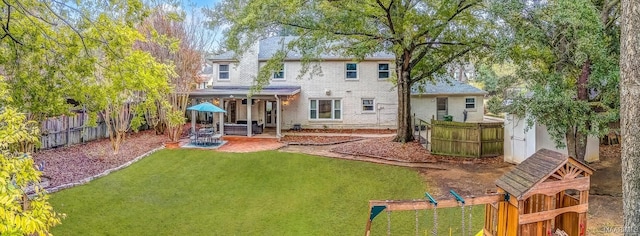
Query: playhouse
[[546, 193]]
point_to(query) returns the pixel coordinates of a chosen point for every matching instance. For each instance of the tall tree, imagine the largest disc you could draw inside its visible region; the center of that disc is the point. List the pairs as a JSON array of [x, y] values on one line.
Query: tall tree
[[424, 35], [567, 52], [630, 114], [123, 81], [172, 37]]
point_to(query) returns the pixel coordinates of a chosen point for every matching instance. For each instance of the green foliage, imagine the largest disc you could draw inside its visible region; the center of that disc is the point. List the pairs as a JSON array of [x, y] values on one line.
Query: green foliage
[[43, 58], [494, 105], [19, 214], [126, 81], [433, 32], [175, 119], [424, 36], [550, 43]]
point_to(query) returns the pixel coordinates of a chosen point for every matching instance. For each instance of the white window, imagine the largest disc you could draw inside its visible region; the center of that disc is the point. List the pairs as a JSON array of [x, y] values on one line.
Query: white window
[[368, 105], [325, 109], [352, 71], [223, 72], [279, 75], [470, 103], [383, 71]]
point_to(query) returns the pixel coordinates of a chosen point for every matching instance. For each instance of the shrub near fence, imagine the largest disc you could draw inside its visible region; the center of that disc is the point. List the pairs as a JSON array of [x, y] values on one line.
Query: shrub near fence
[[466, 139], [69, 130]]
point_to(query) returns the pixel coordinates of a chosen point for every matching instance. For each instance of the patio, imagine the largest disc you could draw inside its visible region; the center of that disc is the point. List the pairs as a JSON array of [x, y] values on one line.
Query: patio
[[205, 137], [248, 113]]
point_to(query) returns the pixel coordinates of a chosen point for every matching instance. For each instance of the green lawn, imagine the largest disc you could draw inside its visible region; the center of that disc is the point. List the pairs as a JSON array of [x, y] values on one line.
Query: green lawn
[[193, 192]]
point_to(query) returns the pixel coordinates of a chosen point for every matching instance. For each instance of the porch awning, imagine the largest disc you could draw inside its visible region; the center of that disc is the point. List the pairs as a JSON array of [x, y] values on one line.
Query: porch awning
[[242, 91]]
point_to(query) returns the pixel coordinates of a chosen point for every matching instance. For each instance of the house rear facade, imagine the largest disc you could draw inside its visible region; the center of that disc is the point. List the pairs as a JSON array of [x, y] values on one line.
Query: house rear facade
[[346, 94]]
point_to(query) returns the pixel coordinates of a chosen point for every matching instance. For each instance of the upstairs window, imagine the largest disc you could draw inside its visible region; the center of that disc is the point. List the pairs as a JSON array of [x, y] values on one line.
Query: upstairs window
[[279, 75], [383, 71], [352, 71], [223, 72]]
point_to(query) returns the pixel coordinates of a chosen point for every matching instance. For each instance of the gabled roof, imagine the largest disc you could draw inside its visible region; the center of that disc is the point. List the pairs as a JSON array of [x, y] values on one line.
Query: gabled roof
[[241, 91], [443, 86], [269, 46], [225, 56], [534, 170]]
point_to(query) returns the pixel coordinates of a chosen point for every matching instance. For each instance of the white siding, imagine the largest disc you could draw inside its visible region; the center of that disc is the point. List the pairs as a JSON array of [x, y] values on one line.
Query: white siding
[[331, 84], [424, 106], [521, 142]]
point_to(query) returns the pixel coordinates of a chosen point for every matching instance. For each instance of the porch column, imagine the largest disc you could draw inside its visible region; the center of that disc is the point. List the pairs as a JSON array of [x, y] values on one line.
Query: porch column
[[193, 116], [249, 117], [193, 121], [278, 134], [221, 122]]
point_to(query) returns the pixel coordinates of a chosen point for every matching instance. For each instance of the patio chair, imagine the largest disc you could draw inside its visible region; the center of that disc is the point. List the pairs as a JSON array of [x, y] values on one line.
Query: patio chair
[[193, 138], [216, 138]]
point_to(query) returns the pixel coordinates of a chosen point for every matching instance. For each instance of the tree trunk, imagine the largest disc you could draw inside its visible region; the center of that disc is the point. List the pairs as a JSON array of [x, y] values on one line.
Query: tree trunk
[[405, 131], [630, 114], [570, 138], [581, 146], [578, 148], [576, 143]]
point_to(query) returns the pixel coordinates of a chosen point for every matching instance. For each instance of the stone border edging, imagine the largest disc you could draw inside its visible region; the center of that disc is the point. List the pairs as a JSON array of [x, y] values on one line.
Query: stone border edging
[[384, 161], [411, 163], [324, 144], [104, 173]]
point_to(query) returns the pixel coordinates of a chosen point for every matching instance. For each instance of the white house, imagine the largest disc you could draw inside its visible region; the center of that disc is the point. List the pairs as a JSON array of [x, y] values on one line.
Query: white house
[[347, 94], [462, 101]]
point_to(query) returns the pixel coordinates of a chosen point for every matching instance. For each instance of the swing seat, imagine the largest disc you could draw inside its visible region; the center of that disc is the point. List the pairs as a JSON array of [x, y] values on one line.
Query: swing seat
[[480, 233]]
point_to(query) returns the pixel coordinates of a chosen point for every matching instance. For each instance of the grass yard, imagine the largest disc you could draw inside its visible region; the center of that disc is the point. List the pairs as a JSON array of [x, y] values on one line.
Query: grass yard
[[194, 192]]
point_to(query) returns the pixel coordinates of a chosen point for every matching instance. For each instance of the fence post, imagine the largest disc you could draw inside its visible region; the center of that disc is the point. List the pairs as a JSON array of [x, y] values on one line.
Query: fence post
[[84, 124], [68, 130], [479, 139]]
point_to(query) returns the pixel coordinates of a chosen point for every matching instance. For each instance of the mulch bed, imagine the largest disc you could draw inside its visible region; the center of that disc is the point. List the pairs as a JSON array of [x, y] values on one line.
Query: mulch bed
[[68, 165], [317, 140], [346, 131], [71, 164], [385, 148]]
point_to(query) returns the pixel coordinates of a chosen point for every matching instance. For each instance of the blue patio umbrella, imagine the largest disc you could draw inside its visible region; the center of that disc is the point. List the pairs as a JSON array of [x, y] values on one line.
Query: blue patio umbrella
[[204, 107]]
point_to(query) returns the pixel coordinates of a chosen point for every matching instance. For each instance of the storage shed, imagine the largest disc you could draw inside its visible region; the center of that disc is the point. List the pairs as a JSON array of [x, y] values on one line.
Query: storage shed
[[548, 191]]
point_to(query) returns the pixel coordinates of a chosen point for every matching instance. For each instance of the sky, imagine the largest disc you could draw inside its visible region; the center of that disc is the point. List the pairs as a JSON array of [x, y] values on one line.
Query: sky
[[199, 4], [205, 3]]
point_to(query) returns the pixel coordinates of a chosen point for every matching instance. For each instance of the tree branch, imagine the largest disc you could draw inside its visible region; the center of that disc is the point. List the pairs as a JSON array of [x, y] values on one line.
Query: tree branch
[[5, 27], [84, 45], [441, 64], [438, 43], [387, 10], [460, 9], [378, 37]]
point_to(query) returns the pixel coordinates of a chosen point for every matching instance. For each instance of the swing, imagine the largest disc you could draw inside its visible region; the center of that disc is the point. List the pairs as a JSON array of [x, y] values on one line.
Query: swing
[[434, 231], [462, 209], [388, 222], [417, 221]]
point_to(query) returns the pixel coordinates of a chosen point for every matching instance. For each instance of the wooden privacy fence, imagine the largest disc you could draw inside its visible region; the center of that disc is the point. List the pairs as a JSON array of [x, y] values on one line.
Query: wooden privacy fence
[[69, 130], [466, 139]]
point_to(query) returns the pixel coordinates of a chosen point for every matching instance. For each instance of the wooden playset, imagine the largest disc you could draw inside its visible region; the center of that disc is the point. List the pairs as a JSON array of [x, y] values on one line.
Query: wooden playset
[[546, 193]]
